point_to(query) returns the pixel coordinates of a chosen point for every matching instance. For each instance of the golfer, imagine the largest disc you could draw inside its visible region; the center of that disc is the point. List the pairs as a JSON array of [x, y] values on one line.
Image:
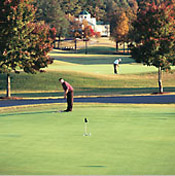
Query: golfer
[[116, 64], [69, 93]]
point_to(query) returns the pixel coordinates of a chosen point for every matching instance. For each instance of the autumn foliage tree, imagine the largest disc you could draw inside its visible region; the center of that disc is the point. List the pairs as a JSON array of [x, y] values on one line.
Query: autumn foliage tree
[[87, 30], [154, 36], [120, 28], [75, 31], [24, 44], [87, 33]]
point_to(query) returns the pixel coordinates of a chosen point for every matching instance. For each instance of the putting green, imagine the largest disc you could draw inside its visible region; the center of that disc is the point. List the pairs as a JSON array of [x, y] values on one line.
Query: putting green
[[97, 64], [126, 139], [107, 69]]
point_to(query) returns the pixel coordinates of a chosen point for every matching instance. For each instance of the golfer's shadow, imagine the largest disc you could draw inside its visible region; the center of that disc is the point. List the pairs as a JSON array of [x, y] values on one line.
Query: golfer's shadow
[[94, 166]]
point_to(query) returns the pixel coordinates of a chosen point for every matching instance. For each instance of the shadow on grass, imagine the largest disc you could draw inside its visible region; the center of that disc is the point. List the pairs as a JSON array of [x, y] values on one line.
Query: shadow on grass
[[123, 91], [97, 91], [86, 59], [26, 113], [98, 50], [94, 166], [90, 50], [95, 60], [93, 50]]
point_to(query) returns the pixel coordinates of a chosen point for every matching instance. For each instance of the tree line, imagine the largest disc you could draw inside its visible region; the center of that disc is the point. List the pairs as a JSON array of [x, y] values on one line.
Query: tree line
[[148, 25], [59, 13]]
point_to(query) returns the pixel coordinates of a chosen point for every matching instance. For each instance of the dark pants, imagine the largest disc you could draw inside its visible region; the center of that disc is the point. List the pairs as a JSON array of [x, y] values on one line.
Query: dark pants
[[70, 100], [115, 68]]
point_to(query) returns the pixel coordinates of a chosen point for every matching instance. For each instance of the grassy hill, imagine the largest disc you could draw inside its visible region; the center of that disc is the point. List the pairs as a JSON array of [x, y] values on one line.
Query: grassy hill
[[90, 74]]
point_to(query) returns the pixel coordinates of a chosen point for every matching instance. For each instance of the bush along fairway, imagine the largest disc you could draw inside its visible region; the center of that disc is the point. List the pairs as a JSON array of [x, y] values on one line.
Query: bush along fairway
[[124, 140]]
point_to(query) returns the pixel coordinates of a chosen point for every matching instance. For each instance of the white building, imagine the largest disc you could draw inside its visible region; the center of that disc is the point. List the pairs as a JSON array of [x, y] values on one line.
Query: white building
[[104, 29]]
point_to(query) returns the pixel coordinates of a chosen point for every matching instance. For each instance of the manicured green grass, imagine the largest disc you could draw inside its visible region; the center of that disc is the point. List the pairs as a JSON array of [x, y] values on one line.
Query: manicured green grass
[[97, 64], [90, 74], [125, 140], [98, 50], [47, 85], [102, 69], [90, 59]]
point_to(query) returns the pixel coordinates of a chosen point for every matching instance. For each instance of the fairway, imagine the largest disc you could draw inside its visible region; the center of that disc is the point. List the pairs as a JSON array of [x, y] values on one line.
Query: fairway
[[89, 74], [125, 140], [96, 64]]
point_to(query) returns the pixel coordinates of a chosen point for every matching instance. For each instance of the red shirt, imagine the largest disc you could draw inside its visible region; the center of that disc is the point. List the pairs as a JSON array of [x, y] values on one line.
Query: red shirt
[[66, 86]]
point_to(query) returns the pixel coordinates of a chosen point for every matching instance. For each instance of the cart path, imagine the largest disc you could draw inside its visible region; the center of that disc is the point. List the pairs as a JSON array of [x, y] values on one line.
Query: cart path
[[153, 99]]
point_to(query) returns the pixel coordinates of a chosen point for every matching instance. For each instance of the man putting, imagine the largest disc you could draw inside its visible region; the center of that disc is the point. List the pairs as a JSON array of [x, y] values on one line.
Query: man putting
[[69, 93]]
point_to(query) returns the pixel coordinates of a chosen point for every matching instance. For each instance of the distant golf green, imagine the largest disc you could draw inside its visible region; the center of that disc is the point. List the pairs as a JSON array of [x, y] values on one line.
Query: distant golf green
[[125, 140], [97, 64]]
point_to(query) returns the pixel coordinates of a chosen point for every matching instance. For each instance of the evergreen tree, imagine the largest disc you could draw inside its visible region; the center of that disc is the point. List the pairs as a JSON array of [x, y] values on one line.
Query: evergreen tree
[[50, 12], [71, 7], [96, 8]]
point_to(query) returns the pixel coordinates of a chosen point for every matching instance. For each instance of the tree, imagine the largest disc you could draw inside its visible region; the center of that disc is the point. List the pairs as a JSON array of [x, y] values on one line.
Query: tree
[[120, 28], [154, 37], [71, 7], [24, 44], [50, 12], [114, 9], [96, 8], [75, 31], [134, 5], [87, 32]]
